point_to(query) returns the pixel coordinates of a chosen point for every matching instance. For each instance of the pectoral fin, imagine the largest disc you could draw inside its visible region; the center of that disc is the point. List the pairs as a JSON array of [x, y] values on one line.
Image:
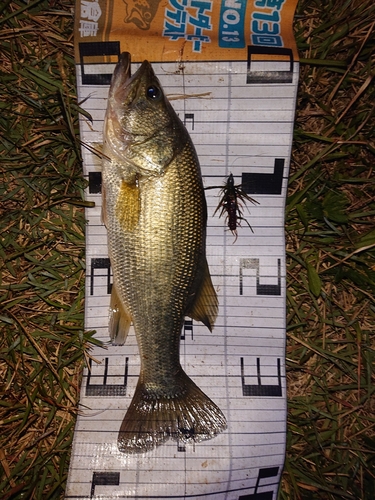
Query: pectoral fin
[[205, 305], [128, 205], [119, 319]]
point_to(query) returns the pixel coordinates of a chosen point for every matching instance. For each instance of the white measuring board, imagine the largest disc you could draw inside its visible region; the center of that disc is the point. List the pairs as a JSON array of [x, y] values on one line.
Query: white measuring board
[[239, 111]]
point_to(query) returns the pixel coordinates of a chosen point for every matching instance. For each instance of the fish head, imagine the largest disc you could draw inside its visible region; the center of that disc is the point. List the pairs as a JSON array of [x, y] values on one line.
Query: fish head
[[141, 126]]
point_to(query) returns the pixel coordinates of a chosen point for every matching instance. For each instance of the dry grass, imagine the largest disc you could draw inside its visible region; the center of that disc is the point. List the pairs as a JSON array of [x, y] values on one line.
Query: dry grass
[[330, 241], [331, 248], [42, 249]]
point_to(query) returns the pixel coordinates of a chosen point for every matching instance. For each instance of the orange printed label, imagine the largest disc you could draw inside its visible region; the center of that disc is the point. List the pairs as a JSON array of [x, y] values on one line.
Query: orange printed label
[[174, 30]]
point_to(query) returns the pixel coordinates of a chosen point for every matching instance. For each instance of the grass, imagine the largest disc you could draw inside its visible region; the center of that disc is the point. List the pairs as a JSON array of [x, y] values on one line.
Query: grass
[[42, 251], [330, 232]]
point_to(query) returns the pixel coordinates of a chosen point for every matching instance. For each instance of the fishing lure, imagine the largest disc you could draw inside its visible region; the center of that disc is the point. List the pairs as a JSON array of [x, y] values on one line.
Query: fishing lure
[[232, 202]]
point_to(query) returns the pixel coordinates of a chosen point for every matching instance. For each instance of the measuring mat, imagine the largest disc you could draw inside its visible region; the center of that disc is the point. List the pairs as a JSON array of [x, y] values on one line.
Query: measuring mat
[[230, 70]]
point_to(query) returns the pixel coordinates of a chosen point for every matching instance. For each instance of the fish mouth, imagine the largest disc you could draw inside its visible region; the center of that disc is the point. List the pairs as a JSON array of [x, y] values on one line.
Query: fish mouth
[[122, 70], [124, 97], [125, 88], [121, 76]]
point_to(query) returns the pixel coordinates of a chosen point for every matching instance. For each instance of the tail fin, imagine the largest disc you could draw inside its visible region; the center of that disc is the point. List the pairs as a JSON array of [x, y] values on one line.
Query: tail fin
[[188, 417]]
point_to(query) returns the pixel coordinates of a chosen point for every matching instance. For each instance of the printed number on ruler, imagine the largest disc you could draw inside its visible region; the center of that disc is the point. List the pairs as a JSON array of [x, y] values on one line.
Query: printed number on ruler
[[265, 473], [259, 389], [89, 51], [261, 289], [272, 71], [97, 380], [110, 479]]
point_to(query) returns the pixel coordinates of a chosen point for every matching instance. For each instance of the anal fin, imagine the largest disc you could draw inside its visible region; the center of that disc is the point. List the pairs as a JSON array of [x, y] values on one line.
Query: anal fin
[[119, 319]]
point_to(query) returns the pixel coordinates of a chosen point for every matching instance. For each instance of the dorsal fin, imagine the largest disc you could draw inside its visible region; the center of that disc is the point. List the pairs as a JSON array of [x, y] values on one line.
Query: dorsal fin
[[205, 306]]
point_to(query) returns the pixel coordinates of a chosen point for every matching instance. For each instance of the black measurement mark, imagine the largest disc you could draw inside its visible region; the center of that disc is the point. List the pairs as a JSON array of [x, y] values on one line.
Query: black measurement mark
[[97, 50], [266, 495], [104, 389], [104, 479], [95, 182], [188, 327], [100, 263], [262, 289], [181, 448], [257, 183], [189, 118], [259, 390], [273, 76]]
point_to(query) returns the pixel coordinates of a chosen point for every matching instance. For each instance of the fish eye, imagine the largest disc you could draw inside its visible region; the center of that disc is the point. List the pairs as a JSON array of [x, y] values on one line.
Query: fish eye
[[153, 92]]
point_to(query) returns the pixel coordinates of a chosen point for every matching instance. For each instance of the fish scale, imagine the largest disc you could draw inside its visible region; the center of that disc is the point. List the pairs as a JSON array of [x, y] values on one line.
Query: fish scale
[[155, 250], [155, 213]]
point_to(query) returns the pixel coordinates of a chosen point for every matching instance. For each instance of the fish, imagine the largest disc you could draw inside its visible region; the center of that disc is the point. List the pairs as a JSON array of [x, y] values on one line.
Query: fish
[[155, 212], [140, 12]]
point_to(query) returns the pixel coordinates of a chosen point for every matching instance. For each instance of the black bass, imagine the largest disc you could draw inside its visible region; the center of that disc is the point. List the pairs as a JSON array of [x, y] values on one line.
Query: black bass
[[155, 212]]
